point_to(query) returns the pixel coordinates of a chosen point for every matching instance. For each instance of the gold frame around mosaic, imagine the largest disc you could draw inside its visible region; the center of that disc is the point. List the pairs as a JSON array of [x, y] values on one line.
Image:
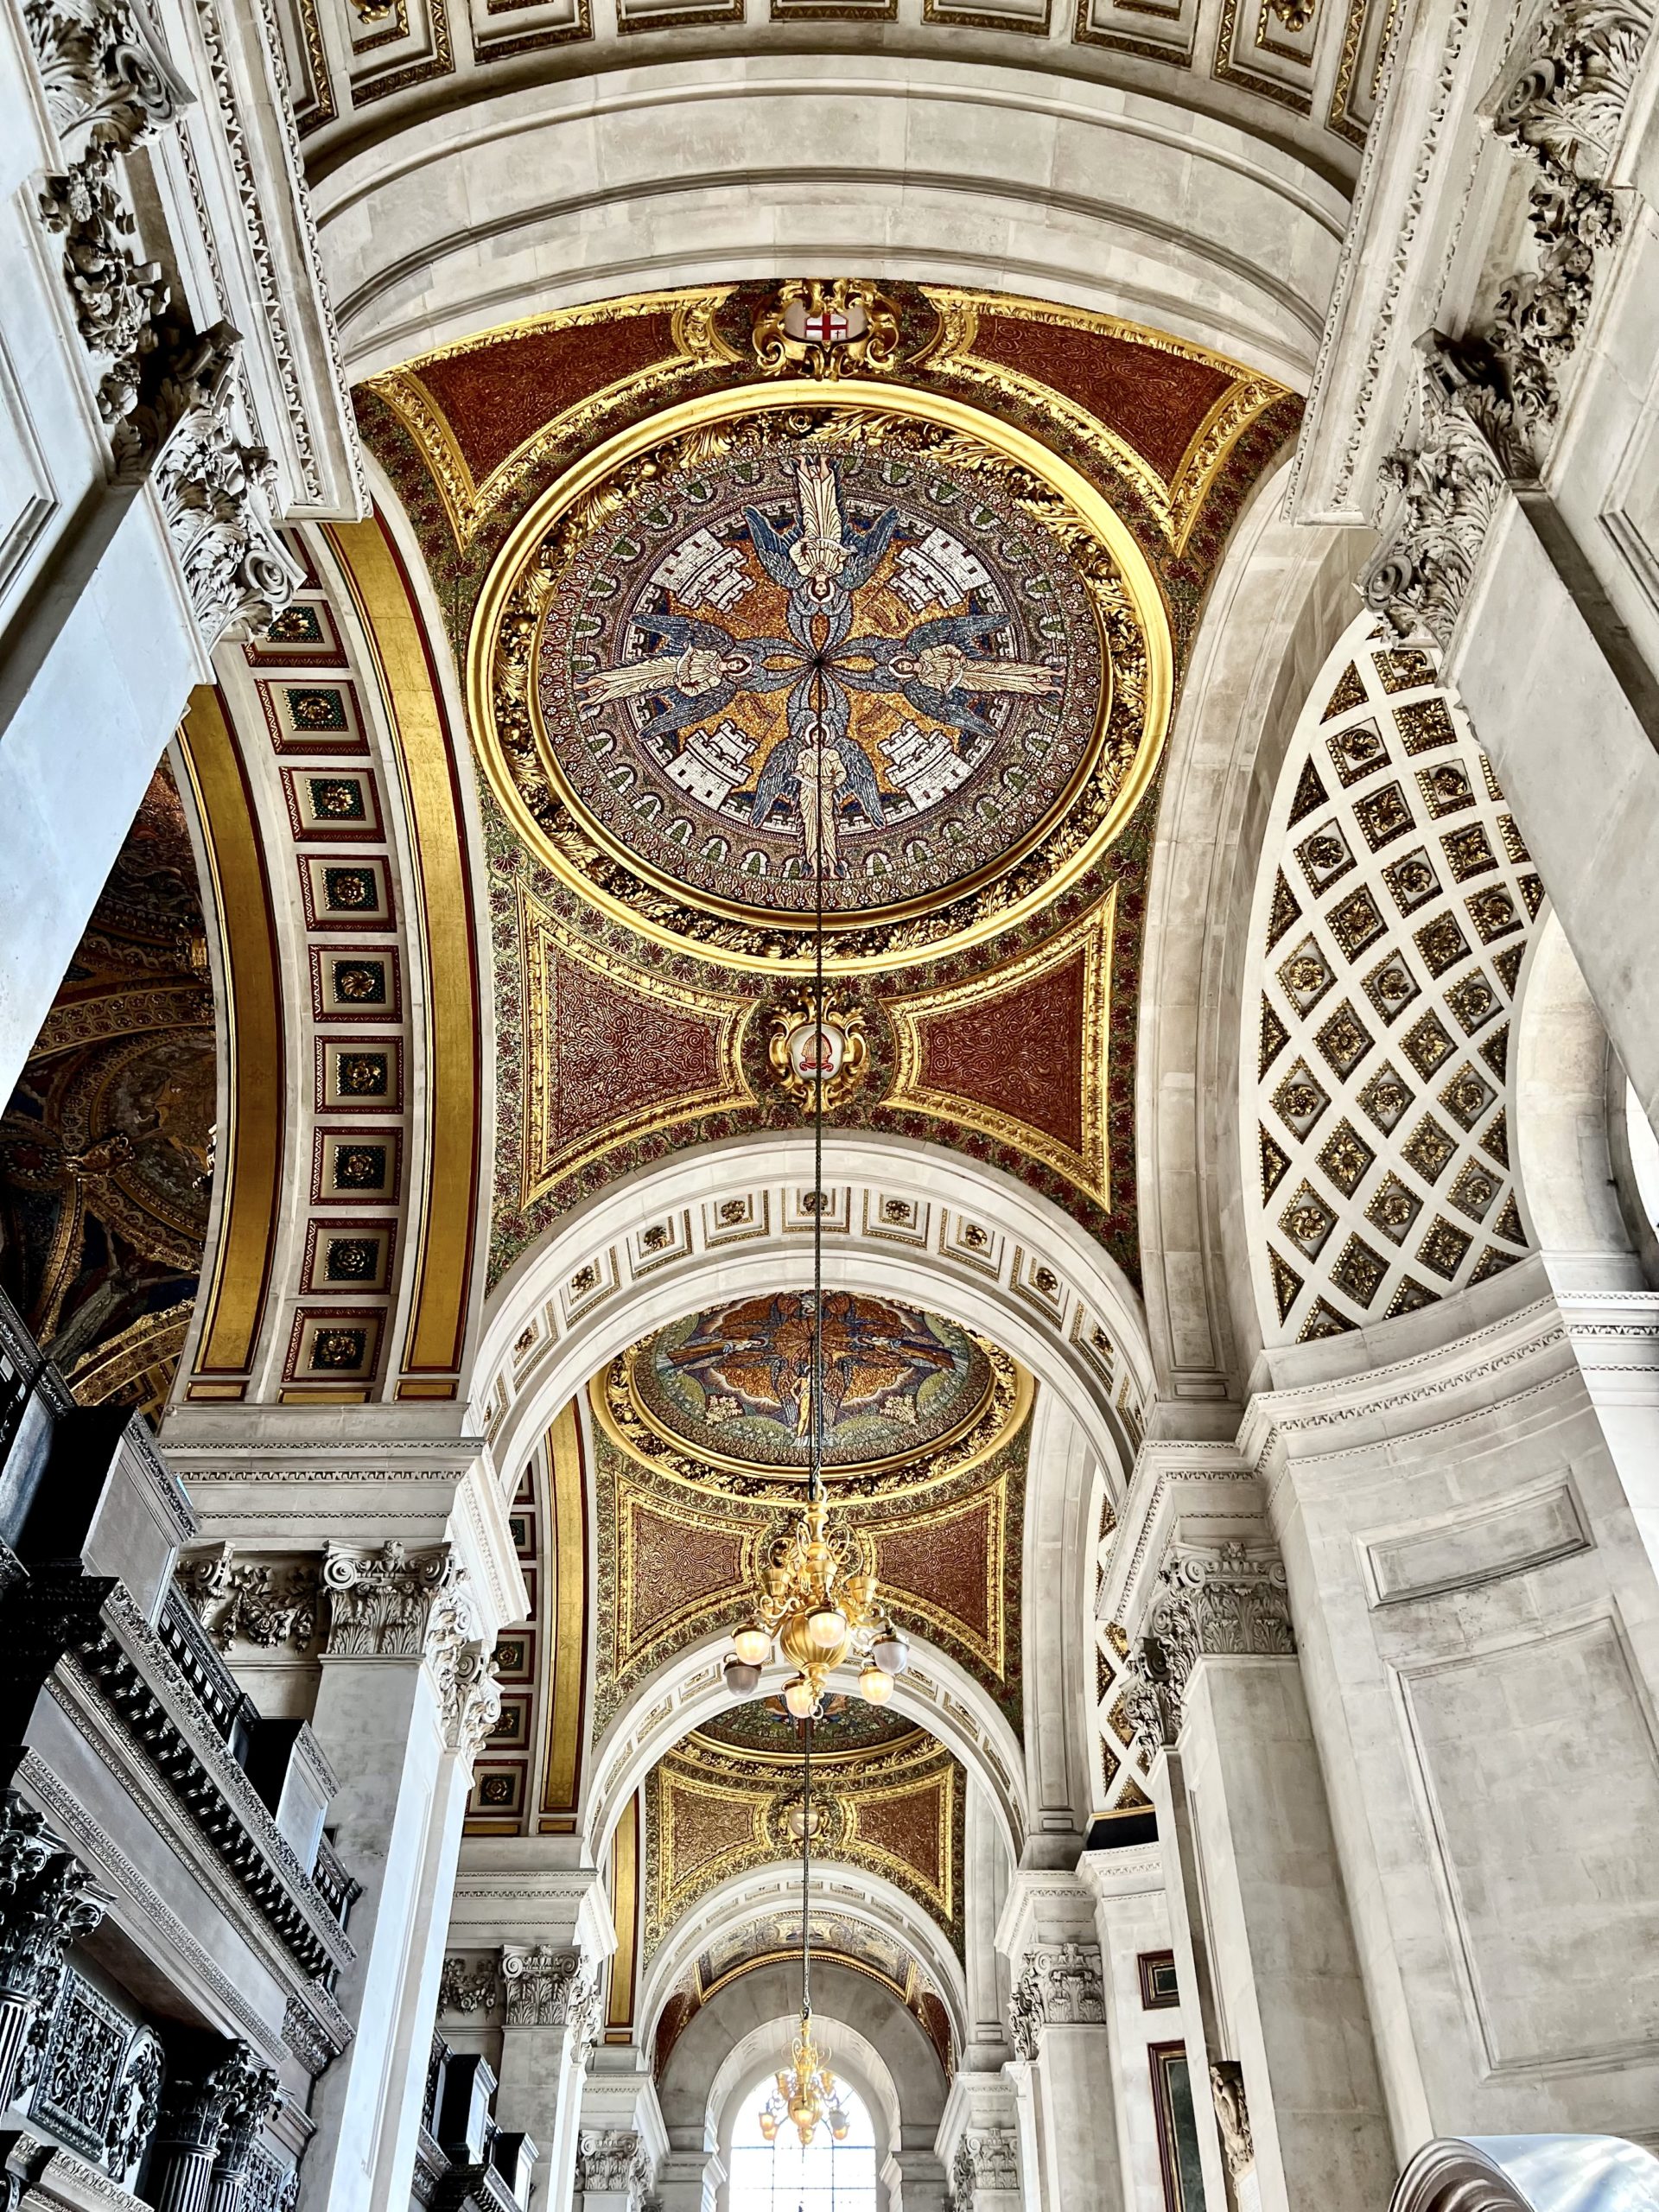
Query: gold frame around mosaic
[[1091, 514], [1091, 1170], [626, 1419]]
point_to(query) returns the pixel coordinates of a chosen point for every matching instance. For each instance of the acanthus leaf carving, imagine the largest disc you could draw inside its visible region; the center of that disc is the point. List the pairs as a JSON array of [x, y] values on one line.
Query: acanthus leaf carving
[[543, 1984], [1232, 2114], [1228, 1601], [218, 495], [1060, 1985], [105, 75], [381, 1603], [1490, 402], [614, 2159]]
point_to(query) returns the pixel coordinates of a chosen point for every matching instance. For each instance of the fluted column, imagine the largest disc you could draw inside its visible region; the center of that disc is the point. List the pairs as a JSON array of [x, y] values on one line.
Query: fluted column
[[1057, 2022], [212, 2112]]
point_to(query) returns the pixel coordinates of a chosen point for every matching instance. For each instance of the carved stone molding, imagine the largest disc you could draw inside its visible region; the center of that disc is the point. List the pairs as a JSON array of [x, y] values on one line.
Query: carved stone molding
[[614, 2160], [1488, 404], [1228, 1602], [253, 1601], [542, 1984], [1060, 1985], [381, 1603]]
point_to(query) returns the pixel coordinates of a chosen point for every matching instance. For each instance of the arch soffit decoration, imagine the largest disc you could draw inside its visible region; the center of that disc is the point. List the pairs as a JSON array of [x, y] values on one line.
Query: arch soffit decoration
[[851, 1893], [934, 1691], [672, 175], [345, 1245], [1283, 597], [911, 1219]]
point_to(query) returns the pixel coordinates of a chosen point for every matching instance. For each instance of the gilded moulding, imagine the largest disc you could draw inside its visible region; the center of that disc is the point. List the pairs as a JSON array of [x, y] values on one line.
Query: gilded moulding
[[526, 774]]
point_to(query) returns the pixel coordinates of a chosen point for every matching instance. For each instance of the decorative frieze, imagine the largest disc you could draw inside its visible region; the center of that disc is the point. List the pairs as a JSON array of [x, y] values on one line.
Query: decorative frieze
[[253, 1601], [467, 1985], [1488, 403], [541, 1983], [1060, 1985]]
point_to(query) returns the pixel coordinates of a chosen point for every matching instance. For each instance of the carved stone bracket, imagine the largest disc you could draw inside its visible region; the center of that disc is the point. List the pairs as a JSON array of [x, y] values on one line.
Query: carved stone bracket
[[105, 76], [46, 1903], [1228, 1601], [1490, 403], [381, 1603]]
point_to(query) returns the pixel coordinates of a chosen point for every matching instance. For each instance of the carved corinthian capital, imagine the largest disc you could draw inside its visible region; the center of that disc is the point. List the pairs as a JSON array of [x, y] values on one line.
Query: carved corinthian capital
[[380, 1603], [1060, 1985], [46, 1903], [614, 2159], [1226, 1602], [541, 1984]]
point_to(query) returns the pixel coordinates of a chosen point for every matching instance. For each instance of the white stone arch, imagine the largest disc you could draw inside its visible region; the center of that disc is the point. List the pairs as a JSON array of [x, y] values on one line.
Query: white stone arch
[[852, 1891], [1569, 1099], [912, 1219], [952, 171], [934, 1691]]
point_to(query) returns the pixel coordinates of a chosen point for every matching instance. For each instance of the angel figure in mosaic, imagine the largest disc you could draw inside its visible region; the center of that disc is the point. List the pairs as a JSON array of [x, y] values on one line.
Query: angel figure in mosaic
[[700, 671], [822, 561], [931, 668]]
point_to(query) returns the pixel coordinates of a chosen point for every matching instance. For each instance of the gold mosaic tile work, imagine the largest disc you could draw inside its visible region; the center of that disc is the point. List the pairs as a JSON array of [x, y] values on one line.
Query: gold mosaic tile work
[[1383, 1029]]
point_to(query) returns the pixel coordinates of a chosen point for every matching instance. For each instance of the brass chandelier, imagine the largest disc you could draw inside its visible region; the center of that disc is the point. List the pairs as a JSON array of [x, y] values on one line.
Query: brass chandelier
[[805, 2093], [817, 1602]]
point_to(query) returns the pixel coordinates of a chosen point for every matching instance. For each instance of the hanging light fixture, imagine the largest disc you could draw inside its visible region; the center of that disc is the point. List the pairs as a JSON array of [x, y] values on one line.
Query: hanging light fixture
[[805, 2093], [817, 1602]]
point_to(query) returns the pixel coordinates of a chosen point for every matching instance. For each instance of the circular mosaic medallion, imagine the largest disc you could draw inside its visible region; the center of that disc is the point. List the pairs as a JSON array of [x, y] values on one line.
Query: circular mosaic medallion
[[825, 652], [731, 1384]]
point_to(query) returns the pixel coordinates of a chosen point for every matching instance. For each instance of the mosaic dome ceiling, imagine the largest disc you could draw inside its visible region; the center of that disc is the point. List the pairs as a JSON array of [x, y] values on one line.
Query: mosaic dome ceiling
[[731, 1384], [794, 650]]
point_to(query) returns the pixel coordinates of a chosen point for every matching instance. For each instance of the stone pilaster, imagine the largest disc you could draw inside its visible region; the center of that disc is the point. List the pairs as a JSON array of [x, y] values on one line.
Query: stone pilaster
[[1058, 2025], [404, 1703], [978, 2143]]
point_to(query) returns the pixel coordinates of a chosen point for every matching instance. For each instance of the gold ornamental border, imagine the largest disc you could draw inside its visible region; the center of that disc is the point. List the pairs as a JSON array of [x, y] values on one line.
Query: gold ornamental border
[[587, 478]]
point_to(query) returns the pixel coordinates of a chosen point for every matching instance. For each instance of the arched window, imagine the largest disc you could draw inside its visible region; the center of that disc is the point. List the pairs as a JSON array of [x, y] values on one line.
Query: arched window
[[780, 2177]]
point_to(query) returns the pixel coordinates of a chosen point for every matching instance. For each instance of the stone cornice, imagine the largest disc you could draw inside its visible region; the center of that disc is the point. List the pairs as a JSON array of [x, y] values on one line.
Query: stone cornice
[[1408, 1397]]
